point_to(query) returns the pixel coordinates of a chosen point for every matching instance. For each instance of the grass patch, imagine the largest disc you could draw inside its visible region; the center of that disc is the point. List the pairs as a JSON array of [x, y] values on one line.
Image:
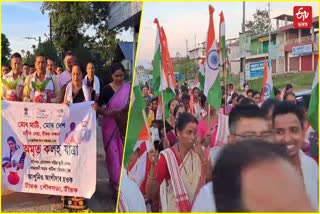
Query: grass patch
[[298, 80]]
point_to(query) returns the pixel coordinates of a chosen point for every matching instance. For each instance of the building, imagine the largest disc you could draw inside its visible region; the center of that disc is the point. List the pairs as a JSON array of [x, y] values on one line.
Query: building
[[124, 54], [197, 53], [126, 15], [233, 52], [291, 50], [300, 45]]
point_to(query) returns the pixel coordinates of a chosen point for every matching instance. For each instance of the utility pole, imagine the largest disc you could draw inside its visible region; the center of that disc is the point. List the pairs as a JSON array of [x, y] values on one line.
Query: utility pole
[[50, 30], [243, 58], [269, 29], [187, 47]]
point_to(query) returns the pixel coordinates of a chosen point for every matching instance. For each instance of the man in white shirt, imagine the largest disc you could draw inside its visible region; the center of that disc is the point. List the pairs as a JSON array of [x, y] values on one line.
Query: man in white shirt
[[288, 123], [256, 176], [65, 77], [245, 122], [51, 67]]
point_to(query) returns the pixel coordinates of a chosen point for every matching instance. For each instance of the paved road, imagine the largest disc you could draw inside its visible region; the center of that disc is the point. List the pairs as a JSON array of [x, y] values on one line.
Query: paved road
[[101, 201]]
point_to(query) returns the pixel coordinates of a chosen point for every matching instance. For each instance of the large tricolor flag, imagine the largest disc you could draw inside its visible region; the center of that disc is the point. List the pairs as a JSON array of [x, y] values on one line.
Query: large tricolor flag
[[136, 120], [212, 87], [267, 81], [163, 69], [313, 105]]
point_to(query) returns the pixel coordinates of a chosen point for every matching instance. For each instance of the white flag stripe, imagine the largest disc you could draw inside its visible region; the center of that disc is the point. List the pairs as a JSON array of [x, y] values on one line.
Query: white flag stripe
[[211, 71], [315, 80]]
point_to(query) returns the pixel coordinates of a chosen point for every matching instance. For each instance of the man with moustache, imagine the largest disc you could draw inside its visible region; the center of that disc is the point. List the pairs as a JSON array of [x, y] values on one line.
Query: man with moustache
[[48, 92], [65, 77], [51, 68], [12, 82]]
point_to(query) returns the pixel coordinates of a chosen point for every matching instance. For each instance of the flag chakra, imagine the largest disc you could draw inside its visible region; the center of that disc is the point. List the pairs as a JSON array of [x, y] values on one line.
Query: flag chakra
[[213, 60]]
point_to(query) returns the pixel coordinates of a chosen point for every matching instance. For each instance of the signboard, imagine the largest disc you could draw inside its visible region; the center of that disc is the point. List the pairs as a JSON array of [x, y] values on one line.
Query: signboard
[[275, 51], [255, 70], [47, 148], [302, 50]]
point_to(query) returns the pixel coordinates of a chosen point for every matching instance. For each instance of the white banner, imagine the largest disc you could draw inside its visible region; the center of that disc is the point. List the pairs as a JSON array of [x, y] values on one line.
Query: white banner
[[49, 148]]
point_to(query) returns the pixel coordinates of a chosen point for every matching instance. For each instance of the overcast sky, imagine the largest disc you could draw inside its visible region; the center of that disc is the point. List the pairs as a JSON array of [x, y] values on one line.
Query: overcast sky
[[189, 21], [20, 20]]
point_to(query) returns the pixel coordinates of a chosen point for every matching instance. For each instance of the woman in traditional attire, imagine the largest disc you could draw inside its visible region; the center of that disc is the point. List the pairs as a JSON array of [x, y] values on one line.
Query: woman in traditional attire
[[16, 156], [180, 170], [76, 92], [114, 105]]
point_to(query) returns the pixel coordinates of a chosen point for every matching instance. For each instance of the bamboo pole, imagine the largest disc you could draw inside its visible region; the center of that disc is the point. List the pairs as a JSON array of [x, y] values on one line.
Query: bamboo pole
[[148, 128], [163, 116]]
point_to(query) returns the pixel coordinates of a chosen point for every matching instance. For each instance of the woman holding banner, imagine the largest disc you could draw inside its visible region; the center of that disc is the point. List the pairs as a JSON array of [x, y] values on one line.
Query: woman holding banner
[[181, 169], [113, 106], [76, 92]]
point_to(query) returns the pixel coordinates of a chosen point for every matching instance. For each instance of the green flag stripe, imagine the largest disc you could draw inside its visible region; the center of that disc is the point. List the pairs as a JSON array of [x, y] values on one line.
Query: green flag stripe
[[136, 123]]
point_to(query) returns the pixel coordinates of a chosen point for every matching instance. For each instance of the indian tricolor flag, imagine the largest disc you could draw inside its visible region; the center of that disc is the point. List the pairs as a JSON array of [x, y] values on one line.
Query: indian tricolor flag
[[163, 69], [212, 87], [313, 105], [136, 120], [267, 81]]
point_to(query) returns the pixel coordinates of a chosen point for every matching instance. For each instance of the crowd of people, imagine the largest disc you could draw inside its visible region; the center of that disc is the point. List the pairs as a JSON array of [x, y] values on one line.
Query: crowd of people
[[47, 83], [266, 164]]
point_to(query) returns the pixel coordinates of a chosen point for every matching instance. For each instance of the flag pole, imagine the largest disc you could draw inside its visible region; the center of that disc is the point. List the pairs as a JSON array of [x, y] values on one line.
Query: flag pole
[[148, 128], [225, 88], [163, 116]]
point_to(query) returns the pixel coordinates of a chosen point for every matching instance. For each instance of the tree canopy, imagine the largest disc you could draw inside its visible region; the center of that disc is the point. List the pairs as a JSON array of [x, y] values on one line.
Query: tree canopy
[[5, 50], [261, 23], [82, 27]]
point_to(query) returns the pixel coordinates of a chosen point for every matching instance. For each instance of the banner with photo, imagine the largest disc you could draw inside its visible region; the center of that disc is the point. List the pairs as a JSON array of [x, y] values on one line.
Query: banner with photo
[[49, 148]]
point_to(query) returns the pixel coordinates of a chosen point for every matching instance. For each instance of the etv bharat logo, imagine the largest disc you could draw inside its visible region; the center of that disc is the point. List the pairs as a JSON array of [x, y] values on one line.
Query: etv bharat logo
[[302, 16]]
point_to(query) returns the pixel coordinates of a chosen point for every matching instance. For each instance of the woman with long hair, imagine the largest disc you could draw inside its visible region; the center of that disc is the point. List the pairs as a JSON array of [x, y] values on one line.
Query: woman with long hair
[[170, 122], [113, 106]]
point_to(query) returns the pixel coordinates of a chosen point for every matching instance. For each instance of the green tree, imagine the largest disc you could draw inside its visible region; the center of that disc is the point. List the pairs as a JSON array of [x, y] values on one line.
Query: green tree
[[48, 50], [5, 50], [187, 67], [72, 26], [261, 23]]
